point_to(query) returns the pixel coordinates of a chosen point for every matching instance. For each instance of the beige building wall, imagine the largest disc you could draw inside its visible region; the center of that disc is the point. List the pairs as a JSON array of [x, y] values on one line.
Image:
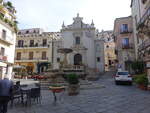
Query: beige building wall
[[109, 49], [7, 40], [124, 38], [38, 63]]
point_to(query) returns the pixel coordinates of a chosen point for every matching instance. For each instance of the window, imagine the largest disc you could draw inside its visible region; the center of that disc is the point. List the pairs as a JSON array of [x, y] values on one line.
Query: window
[[30, 55], [77, 40], [3, 34], [143, 1], [20, 43], [98, 59], [27, 32], [125, 42], [18, 55], [97, 47], [123, 73], [31, 43], [58, 59], [19, 33], [2, 51], [44, 42], [44, 55], [124, 28]]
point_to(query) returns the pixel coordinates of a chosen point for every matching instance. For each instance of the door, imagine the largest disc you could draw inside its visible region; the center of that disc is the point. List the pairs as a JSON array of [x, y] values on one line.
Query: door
[[77, 59]]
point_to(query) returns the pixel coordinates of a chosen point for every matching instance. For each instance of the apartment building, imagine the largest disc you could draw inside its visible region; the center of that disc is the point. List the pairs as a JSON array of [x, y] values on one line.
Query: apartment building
[[124, 39], [141, 25], [8, 28], [34, 49], [109, 49]]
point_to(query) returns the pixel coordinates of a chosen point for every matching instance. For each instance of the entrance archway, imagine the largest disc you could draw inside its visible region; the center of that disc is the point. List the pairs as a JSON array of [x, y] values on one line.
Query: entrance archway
[[77, 59]]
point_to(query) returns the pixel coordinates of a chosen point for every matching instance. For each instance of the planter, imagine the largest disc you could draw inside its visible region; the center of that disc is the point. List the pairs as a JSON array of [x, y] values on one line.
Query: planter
[[142, 87], [73, 89], [57, 89]]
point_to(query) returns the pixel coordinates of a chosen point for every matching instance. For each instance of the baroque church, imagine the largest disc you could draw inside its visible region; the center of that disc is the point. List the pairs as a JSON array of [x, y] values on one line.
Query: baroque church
[[87, 47]]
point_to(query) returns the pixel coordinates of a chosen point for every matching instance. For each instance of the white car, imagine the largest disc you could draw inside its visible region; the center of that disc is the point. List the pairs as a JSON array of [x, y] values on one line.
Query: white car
[[123, 76]]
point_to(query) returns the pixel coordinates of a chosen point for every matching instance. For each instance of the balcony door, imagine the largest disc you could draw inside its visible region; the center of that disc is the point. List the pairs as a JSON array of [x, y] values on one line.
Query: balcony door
[[31, 43], [44, 55], [4, 34], [124, 28], [44, 42], [30, 55], [19, 56], [20, 43], [125, 42]]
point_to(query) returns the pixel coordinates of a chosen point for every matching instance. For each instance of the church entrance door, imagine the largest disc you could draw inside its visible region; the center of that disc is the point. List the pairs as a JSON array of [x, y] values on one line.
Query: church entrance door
[[77, 59]]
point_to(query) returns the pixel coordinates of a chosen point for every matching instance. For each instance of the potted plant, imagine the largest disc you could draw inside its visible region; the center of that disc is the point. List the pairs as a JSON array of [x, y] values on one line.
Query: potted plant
[[141, 81], [73, 87]]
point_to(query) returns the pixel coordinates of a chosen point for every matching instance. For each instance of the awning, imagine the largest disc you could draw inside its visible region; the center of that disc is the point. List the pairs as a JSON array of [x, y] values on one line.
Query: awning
[[3, 64]]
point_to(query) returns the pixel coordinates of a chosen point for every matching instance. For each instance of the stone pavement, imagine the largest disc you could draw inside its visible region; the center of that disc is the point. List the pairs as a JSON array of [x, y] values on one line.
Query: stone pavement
[[108, 99]]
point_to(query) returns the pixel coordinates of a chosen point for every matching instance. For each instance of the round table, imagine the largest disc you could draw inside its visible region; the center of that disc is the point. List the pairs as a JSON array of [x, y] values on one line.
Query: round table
[[56, 89]]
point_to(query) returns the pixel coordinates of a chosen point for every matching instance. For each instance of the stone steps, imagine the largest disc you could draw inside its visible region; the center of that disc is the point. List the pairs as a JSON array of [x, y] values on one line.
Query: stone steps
[[84, 84]]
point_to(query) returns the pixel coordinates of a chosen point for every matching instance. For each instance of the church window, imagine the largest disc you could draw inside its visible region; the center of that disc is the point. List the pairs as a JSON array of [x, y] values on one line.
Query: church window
[[77, 40]]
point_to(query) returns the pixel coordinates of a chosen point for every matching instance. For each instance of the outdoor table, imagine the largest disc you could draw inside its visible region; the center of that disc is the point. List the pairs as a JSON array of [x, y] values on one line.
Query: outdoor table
[[56, 89], [26, 91]]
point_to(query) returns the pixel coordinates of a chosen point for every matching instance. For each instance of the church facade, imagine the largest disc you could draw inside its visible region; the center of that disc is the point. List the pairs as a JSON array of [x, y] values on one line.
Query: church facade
[[87, 48]]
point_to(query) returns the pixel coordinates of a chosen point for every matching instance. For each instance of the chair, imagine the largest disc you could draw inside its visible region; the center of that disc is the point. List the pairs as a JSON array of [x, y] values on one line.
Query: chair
[[35, 94], [16, 94]]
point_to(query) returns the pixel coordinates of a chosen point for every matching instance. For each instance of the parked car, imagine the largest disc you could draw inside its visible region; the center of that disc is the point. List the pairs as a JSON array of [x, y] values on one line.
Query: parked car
[[123, 77]]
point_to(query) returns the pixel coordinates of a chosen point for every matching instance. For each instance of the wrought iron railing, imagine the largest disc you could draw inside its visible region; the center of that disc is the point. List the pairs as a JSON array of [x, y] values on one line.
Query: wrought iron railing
[[144, 18]]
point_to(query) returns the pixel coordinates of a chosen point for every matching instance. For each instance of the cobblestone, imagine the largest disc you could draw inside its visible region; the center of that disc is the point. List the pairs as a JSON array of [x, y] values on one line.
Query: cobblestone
[[111, 99]]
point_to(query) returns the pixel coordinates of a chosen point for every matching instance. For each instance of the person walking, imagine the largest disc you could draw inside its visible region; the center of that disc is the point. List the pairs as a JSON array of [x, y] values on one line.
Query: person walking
[[6, 88]]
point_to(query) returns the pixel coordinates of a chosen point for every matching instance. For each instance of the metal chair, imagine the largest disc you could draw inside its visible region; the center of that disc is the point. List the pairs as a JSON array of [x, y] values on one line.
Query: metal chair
[[16, 94]]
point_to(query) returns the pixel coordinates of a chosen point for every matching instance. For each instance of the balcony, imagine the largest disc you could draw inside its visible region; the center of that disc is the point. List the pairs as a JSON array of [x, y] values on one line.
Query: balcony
[[7, 40], [31, 60], [129, 46], [33, 47], [144, 45], [125, 31], [143, 19]]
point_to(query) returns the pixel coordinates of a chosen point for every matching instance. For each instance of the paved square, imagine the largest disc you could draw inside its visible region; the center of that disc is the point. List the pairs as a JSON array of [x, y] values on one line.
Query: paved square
[[111, 99]]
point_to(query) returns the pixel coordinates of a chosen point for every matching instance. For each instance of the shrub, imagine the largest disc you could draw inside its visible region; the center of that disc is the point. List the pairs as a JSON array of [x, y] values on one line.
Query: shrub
[[72, 78], [141, 79], [138, 67]]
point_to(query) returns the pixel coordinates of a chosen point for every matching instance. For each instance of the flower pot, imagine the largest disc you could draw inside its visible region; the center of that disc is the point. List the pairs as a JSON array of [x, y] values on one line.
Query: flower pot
[[142, 87], [57, 89], [73, 89]]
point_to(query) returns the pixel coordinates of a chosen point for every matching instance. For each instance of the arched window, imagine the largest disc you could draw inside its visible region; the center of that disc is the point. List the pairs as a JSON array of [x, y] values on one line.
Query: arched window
[[77, 40]]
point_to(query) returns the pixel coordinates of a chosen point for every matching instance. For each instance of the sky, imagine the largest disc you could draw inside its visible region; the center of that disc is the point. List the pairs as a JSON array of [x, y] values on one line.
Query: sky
[[50, 14]]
